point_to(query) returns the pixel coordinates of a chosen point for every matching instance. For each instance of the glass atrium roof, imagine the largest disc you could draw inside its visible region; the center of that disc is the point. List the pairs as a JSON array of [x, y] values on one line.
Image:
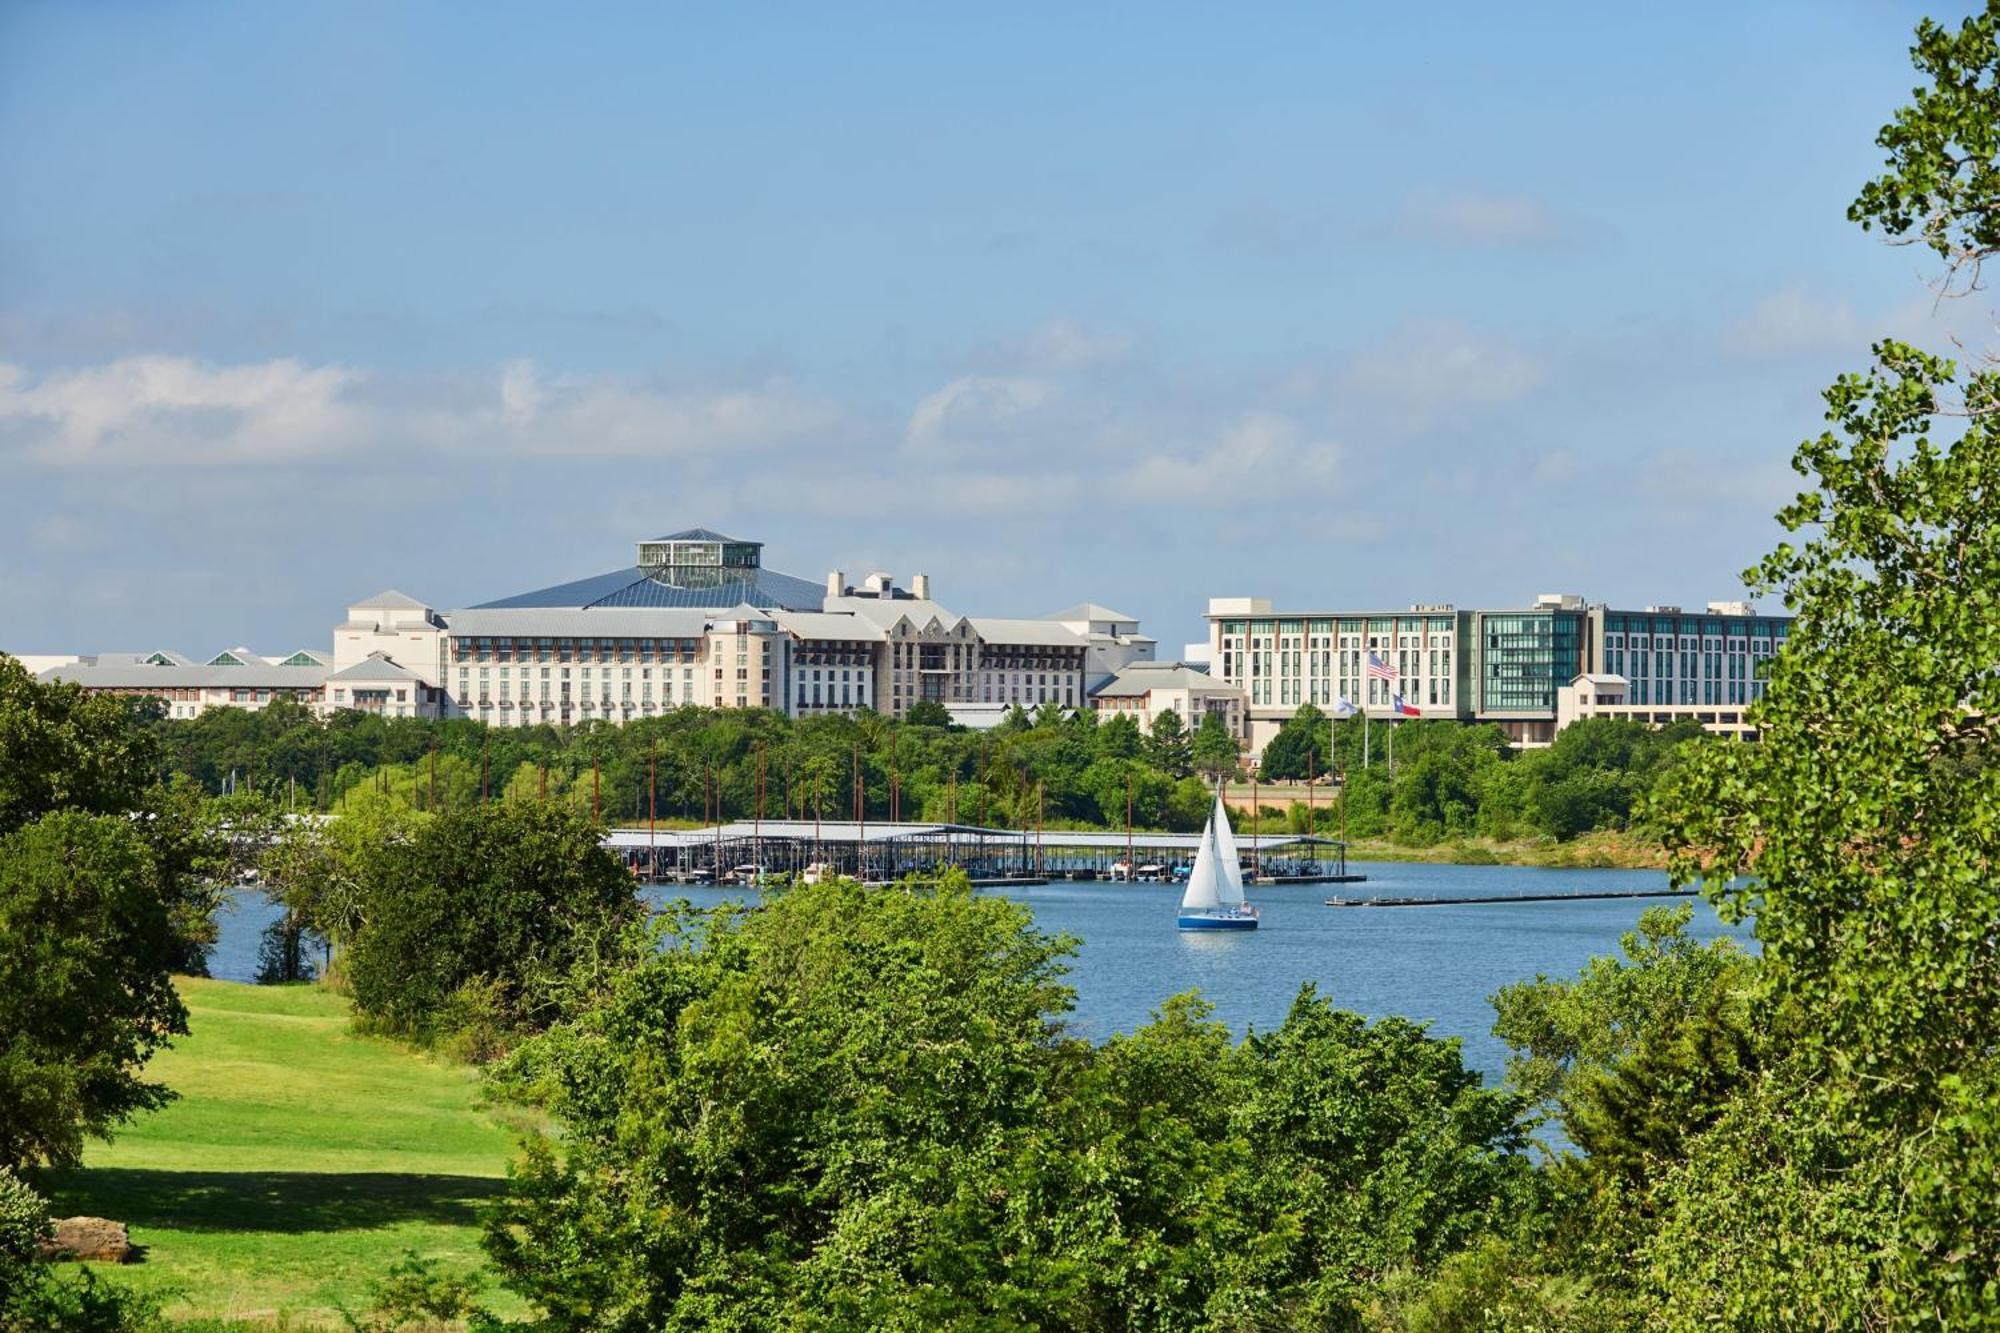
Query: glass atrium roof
[[765, 589]]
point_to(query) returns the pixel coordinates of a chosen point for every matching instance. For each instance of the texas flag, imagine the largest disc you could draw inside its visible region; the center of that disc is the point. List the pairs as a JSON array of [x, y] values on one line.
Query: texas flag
[[1406, 709]]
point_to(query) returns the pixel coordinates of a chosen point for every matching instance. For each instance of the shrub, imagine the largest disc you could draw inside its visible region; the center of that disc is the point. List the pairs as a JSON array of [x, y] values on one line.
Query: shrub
[[505, 897], [24, 1223], [856, 1108]]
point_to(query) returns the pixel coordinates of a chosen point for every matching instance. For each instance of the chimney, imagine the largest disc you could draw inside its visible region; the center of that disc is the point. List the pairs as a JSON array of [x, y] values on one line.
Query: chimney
[[920, 587], [836, 583]]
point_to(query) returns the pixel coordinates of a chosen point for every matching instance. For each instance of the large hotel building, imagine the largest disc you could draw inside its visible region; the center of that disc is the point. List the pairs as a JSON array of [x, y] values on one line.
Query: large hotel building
[[1530, 670], [696, 619]]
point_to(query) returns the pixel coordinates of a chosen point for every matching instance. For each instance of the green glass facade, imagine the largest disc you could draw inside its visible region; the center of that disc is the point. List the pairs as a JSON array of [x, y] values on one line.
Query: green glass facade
[[1526, 656], [1671, 658]]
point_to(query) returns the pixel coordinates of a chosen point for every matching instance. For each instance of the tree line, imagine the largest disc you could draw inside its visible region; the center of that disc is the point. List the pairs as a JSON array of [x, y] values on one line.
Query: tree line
[[1438, 780]]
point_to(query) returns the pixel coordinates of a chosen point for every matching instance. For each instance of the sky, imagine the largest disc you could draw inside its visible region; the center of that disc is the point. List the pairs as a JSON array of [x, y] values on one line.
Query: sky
[[1341, 305]]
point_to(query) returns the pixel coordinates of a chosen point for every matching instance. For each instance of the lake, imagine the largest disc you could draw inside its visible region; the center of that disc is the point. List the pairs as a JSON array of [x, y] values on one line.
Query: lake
[[1436, 964]]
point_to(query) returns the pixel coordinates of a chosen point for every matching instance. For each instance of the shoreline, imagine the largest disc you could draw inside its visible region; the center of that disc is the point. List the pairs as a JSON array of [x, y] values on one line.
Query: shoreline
[[1592, 851]]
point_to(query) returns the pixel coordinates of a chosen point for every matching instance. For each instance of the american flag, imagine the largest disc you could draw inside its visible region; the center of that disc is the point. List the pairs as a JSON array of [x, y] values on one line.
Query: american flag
[[1379, 667]]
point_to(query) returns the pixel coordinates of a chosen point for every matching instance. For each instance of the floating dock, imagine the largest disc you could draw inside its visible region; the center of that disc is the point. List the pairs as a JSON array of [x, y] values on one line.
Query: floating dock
[[1509, 898], [880, 851]]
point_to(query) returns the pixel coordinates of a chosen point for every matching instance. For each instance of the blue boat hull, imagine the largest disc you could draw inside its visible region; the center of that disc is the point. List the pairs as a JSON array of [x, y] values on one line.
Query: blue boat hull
[[1205, 922]]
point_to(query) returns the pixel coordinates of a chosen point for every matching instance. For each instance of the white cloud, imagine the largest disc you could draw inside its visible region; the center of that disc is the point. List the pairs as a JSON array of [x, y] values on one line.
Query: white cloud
[[1064, 346], [950, 492], [967, 409], [1475, 218], [528, 414], [1792, 323], [1261, 453], [167, 410], [172, 411], [1425, 371]]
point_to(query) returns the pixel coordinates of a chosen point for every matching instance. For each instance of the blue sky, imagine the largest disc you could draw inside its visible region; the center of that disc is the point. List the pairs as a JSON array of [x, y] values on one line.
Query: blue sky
[[1342, 305]]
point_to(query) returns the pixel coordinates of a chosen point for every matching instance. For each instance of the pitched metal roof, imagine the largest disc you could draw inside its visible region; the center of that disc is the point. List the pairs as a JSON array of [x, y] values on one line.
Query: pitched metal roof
[[651, 587], [827, 625], [578, 622], [1137, 678], [392, 598], [1030, 633], [886, 611], [132, 676], [375, 667], [1090, 611]]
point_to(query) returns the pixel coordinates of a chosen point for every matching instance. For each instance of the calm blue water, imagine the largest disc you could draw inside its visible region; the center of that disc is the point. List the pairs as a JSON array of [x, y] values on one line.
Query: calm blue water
[[1437, 964]]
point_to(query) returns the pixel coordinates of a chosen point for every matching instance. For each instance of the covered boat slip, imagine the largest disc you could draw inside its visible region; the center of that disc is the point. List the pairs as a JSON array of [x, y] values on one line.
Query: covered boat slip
[[882, 852]]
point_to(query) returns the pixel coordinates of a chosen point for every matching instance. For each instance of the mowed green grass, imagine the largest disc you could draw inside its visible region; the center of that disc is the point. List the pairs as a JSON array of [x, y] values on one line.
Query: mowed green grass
[[298, 1164]]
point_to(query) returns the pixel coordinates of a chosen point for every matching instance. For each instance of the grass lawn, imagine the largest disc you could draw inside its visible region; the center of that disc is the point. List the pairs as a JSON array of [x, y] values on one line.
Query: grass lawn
[[300, 1162]]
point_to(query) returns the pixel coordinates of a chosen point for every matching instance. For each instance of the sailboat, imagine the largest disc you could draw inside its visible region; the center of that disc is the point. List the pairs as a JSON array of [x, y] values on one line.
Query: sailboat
[[1214, 898]]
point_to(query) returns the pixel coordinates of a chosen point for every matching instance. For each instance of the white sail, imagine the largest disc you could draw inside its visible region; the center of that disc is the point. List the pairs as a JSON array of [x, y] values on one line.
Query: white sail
[[1204, 881], [1229, 866]]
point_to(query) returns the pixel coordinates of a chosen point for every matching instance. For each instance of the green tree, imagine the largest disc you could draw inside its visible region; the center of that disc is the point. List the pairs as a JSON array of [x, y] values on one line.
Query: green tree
[[1215, 752], [1299, 750], [857, 1051], [1862, 832], [1119, 738], [1567, 1036], [1942, 186], [927, 713], [474, 917], [85, 996], [860, 1108], [1167, 745], [316, 870], [63, 749], [1862, 835]]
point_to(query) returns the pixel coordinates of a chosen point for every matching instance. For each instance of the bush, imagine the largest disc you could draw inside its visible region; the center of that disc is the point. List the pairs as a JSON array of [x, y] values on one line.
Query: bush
[[81, 1302], [503, 899], [418, 1295], [853, 1108], [24, 1224]]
